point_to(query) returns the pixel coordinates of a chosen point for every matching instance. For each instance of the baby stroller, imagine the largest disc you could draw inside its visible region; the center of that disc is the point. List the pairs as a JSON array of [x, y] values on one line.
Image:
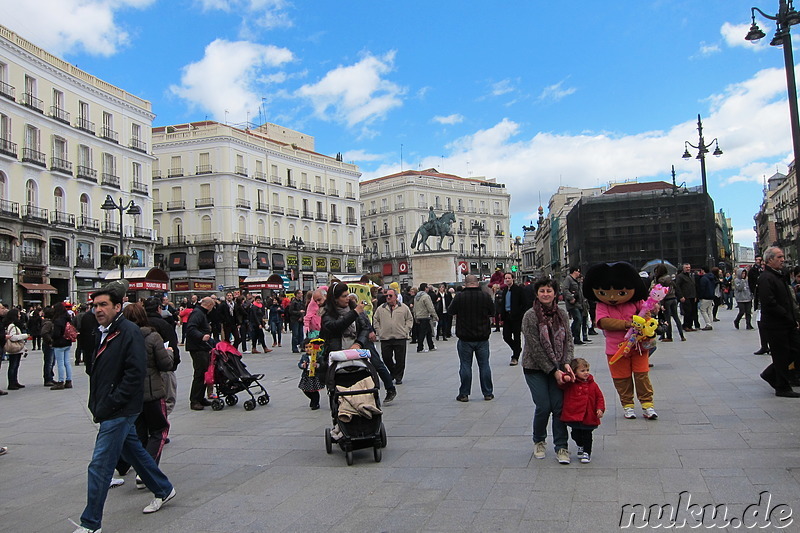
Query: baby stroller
[[229, 375], [355, 404]]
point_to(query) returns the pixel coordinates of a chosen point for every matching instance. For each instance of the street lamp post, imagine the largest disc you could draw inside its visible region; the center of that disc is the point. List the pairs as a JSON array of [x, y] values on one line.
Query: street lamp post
[[478, 228], [784, 20], [517, 245], [676, 218], [297, 242], [132, 209], [702, 150]]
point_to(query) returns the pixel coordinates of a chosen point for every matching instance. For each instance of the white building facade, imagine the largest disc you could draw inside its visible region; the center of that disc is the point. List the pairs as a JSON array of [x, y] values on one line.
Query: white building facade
[[67, 140], [395, 206], [235, 207]]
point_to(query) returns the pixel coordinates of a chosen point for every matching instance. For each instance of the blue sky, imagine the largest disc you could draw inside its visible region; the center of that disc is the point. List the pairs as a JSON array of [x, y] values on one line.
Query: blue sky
[[536, 95]]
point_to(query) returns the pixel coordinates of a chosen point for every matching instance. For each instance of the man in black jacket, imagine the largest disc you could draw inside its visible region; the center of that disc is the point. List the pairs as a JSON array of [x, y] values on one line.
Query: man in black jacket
[[511, 312], [686, 291], [473, 309], [198, 337], [752, 282], [781, 320], [168, 333], [116, 393]]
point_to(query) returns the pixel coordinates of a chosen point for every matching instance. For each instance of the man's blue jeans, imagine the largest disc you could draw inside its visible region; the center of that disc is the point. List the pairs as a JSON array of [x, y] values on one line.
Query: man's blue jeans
[[297, 335], [548, 399], [577, 322], [481, 351], [117, 438]]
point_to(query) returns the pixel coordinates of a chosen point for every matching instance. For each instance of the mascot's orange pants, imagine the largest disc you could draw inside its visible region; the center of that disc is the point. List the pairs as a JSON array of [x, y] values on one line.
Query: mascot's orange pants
[[629, 373]]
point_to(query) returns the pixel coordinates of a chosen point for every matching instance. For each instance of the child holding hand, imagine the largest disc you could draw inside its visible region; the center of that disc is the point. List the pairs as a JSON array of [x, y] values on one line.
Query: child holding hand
[[310, 385], [583, 407]]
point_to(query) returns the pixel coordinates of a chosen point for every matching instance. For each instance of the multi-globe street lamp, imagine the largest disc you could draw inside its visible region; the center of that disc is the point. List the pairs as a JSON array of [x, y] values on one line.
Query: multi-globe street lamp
[[130, 208], [297, 242], [478, 228], [785, 18]]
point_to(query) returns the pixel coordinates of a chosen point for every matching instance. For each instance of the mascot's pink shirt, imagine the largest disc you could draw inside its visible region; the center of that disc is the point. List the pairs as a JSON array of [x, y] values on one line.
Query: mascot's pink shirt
[[620, 311]]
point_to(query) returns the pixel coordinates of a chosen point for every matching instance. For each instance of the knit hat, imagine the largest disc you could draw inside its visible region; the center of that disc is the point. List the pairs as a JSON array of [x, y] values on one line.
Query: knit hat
[[116, 290], [394, 285]]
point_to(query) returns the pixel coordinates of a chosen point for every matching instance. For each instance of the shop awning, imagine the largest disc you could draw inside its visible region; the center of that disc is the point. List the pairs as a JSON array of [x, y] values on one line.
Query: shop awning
[[153, 279], [39, 288], [274, 282]]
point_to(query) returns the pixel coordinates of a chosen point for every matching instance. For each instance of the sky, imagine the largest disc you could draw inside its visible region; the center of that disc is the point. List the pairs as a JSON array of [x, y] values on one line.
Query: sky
[[533, 94]]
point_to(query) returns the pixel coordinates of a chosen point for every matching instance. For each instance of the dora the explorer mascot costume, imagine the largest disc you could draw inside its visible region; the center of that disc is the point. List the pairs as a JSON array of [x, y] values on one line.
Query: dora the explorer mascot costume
[[619, 292]]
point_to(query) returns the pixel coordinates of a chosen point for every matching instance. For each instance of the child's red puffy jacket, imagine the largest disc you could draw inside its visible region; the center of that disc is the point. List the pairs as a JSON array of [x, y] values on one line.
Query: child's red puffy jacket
[[582, 399]]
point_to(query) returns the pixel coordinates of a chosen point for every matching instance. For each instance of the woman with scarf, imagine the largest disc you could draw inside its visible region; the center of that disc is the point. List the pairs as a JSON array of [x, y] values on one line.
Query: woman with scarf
[[341, 328], [548, 349]]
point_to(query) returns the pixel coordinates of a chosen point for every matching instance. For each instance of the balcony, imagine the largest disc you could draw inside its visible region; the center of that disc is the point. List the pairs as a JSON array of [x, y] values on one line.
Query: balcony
[[275, 179], [158, 206], [204, 169], [319, 190], [385, 232], [142, 233], [58, 260], [262, 207], [61, 165], [202, 202], [305, 187], [373, 234], [333, 192], [176, 239], [322, 217], [87, 173], [29, 155], [34, 214], [263, 240], [291, 183], [110, 227], [30, 101], [260, 176], [242, 171], [175, 205], [384, 209], [244, 238], [59, 114], [60, 218], [336, 247], [399, 230], [84, 262], [352, 221], [291, 212], [175, 173], [31, 258], [9, 209], [308, 214], [109, 179], [84, 124], [156, 174], [7, 91], [336, 219], [243, 203], [109, 134], [279, 242], [138, 145], [139, 187], [8, 148], [86, 223], [350, 195], [499, 233], [205, 238], [276, 210]]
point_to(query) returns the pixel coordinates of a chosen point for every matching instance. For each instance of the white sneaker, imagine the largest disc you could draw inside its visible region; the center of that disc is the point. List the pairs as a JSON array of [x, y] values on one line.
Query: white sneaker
[[579, 453], [629, 412], [116, 482], [158, 503], [586, 458], [563, 456], [649, 413], [425, 350], [87, 530], [140, 484], [539, 450]]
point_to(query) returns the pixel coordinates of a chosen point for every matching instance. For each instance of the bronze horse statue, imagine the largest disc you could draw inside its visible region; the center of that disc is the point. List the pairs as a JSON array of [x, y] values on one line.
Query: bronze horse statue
[[441, 227]]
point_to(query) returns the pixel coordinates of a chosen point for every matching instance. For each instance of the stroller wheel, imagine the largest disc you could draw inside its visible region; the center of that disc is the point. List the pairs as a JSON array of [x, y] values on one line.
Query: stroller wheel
[[263, 399], [231, 399], [328, 441], [217, 405], [349, 457], [249, 405], [383, 436], [378, 453]]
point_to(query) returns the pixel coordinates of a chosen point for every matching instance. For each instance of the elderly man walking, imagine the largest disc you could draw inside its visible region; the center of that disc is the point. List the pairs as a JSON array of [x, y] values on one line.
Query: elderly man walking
[[392, 321], [198, 335]]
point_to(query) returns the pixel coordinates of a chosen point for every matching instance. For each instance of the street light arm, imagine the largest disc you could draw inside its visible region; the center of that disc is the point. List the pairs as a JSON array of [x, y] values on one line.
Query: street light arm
[[753, 14]]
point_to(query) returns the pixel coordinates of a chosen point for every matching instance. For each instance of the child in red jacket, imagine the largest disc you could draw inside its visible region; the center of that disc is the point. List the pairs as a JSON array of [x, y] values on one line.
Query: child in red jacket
[[583, 407]]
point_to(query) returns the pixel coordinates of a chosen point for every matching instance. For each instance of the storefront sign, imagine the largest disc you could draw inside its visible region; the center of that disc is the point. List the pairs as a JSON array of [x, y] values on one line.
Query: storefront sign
[[322, 264]]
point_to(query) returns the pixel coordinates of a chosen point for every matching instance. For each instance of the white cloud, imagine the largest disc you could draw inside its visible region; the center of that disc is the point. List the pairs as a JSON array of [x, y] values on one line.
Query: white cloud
[[361, 155], [502, 87], [355, 94], [267, 14], [66, 26], [706, 50], [733, 34], [226, 80], [556, 92], [449, 120]]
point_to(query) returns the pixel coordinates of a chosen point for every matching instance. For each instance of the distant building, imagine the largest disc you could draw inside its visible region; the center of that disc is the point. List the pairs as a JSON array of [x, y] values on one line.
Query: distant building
[[394, 206], [777, 219], [639, 222]]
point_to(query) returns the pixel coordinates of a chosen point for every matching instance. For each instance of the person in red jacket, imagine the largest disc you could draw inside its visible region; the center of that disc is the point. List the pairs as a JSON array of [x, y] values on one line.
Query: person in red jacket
[[583, 407]]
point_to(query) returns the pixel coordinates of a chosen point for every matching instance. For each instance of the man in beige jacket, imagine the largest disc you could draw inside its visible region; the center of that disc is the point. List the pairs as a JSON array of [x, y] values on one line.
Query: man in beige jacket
[[392, 321]]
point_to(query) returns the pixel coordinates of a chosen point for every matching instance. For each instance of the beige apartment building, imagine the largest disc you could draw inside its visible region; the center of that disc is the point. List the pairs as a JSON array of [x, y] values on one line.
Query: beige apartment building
[[67, 141], [255, 208], [394, 206]]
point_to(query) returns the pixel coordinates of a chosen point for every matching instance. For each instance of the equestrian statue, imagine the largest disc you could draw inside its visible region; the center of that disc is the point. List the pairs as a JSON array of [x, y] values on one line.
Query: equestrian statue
[[435, 227]]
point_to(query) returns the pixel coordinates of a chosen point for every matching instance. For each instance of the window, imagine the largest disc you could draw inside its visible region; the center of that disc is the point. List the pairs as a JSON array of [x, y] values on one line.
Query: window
[[31, 193], [59, 106], [176, 194], [84, 156], [109, 165], [85, 211], [204, 165], [32, 137], [242, 226], [58, 200], [205, 191], [205, 225], [59, 147], [30, 86], [3, 193], [5, 130], [175, 162], [259, 167], [136, 132], [240, 192], [136, 172], [177, 227], [205, 259]]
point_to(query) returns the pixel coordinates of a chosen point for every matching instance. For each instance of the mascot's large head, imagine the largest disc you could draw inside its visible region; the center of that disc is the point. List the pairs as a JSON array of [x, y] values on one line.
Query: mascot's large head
[[614, 284]]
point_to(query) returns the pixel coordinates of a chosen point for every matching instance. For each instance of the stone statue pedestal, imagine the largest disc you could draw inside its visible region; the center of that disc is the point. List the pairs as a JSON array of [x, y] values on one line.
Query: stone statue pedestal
[[434, 267]]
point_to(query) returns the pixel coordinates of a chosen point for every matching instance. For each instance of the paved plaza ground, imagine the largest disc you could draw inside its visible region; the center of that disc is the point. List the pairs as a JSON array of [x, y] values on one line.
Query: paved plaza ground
[[722, 437]]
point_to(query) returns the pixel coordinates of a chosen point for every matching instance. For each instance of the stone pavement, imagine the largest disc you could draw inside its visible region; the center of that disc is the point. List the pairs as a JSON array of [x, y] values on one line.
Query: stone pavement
[[449, 466]]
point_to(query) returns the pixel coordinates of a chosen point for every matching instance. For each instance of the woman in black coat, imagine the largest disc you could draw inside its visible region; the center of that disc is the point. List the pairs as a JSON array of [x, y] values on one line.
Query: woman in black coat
[[341, 329]]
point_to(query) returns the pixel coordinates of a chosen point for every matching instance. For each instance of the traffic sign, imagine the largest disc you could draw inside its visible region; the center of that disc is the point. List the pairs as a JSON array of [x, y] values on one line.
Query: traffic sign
[[220, 288], [463, 267]]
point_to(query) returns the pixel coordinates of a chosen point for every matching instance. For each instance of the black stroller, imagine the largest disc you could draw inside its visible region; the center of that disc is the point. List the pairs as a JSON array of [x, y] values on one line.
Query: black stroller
[[355, 405], [230, 376]]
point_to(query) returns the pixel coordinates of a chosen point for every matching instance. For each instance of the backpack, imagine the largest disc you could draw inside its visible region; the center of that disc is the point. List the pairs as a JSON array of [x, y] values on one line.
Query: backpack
[[70, 333]]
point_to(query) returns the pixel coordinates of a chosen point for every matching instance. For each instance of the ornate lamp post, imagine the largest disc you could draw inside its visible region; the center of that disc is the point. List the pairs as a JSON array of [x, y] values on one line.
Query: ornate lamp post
[[785, 18], [297, 242], [478, 228], [132, 209], [702, 150]]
